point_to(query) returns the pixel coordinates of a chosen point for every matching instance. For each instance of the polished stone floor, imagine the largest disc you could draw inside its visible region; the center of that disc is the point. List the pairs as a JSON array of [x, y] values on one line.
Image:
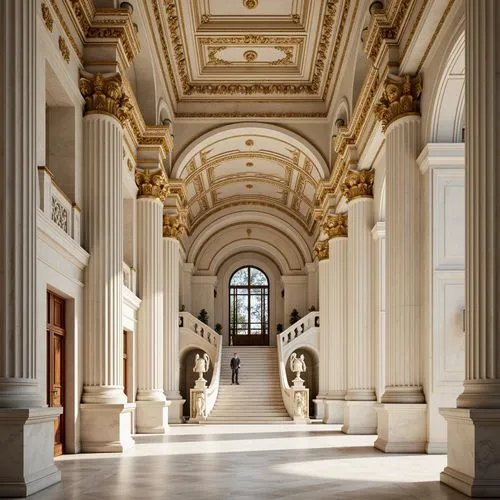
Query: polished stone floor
[[258, 462]]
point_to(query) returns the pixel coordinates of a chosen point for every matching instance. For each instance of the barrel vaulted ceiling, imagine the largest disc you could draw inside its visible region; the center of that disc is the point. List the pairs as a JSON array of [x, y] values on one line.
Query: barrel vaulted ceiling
[[278, 56]]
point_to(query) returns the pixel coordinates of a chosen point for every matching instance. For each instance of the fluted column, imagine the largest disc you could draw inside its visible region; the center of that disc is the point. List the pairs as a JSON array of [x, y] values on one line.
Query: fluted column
[[173, 228], [336, 229], [398, 112], [106, 109], [21, 414], [474, 427], [359, 417], [321, 253], [152, 415]]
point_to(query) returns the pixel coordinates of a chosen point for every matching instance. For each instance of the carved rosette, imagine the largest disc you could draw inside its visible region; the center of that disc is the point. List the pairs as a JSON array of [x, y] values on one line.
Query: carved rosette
[[321, 249], [401, 97], [173, 226], [335, 226], [105, 95], [151, 184], [358, 184]]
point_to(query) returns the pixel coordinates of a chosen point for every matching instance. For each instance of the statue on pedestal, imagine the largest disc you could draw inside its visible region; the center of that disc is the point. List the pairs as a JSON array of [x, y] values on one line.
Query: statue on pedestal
[[199, 406], [298, 366], [201, 365]]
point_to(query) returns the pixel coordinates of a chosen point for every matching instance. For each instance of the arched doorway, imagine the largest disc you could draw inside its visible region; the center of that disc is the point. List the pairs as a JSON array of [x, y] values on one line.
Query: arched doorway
[[249, 307]]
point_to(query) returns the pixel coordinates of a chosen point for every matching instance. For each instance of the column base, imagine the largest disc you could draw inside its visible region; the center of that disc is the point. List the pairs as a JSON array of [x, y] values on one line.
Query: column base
[[151, 417], [334, 411], [175, 412], [319, 408], [402, 428], [473, 451], [360, 417], [106, 428], [436, 448], [27, 444]]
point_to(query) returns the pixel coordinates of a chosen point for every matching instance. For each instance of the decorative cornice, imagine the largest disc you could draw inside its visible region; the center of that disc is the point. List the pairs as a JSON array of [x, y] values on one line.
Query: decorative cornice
[[335, 225], [151, 184], [173, 226], [358, 184], [400, 98], [321, 250], [63, 49], [105, 94], [47, 17]]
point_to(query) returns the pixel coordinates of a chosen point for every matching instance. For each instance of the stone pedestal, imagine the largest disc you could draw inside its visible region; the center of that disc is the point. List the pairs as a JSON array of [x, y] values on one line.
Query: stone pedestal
[[152, 417], [360, 417], [106, 428], [27, 444], [176, 411], [319, 408], [300, 404], [198, 404], [334, 411]]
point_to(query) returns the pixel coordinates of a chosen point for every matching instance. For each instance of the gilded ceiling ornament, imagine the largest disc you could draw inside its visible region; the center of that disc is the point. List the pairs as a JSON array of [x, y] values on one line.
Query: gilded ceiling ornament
[[249, 164], [358, 184], [249, 142], [47, 17], [64, 49], [151, 184], [401, 97], [335, 225], [321, 250], [250, 55], [286, 59], [205, 19], [250, 4], [173, 226], [249, 186], [105, 95]]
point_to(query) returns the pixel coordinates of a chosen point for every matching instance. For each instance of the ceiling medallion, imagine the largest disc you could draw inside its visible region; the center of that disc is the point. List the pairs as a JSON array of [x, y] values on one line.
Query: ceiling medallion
[[250, 55], [249, 142], [249, 164], [249, 186], [250, 4]]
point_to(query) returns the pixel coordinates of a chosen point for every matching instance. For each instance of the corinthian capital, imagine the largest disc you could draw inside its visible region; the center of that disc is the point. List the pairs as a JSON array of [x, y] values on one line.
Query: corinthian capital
[[358, 184], [173, 226], [151, 184], [105, 94], [400, 98], [321, 249], [335, 225]]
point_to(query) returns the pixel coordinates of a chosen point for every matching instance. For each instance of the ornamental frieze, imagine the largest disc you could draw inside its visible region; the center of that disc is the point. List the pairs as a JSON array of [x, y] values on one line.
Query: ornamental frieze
[[321, 249], [335, 225], [151, 184], [105, 95], [401, 97], [358, 184]]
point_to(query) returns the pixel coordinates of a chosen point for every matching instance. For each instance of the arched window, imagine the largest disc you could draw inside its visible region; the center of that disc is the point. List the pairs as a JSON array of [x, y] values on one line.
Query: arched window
[[249, 307]]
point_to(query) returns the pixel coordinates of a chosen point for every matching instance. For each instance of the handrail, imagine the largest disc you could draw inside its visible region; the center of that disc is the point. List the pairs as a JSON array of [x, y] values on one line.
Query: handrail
[[286, 343], [214, 342]]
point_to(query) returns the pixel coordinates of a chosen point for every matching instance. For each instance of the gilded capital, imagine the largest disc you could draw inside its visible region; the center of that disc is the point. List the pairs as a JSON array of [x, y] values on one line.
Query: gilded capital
[[151, 184], [401, 97], [173, 226], [321, 249], [335, 225], [105, 94], [358, 184]]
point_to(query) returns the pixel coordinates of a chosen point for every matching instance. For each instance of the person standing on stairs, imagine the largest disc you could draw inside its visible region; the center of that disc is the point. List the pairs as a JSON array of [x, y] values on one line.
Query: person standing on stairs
[[235, 367]]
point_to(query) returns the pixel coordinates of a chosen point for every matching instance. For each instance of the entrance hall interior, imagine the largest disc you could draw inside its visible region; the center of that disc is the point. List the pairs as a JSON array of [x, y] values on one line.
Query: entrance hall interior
[[310, 186]]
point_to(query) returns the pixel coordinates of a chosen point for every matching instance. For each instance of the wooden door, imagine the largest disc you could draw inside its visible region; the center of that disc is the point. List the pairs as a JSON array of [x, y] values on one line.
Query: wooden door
[[56, 364]]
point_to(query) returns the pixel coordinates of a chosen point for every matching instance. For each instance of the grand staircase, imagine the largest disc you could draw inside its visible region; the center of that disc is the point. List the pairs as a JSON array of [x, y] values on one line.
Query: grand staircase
[[258, 399]]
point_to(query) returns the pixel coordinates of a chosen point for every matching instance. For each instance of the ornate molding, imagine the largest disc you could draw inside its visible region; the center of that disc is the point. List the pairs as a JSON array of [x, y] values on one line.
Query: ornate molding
[[151, 184], [321, 250], [47, 17], [400, 97], [173, 226], [105, 95], [358, 184], [335, 225], [64, 49]]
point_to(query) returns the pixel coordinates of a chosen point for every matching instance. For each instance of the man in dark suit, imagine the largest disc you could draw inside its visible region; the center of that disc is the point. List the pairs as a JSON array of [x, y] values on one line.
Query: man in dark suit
[[235, 367]]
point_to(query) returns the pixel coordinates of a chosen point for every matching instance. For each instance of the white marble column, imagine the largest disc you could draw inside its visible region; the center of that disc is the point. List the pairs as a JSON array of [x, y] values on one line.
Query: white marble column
[[402, 414], [321, 252], [26, 429], [106, 415], [152, 409], [359, 413], [474, 427], [336, 228], [172, 231]]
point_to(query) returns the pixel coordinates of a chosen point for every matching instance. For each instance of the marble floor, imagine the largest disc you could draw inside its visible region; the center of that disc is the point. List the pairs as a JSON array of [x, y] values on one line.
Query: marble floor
[[243, 462]]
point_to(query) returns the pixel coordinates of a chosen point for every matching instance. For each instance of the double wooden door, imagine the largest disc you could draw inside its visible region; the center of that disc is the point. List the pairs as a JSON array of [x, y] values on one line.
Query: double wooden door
[[56, 331]]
